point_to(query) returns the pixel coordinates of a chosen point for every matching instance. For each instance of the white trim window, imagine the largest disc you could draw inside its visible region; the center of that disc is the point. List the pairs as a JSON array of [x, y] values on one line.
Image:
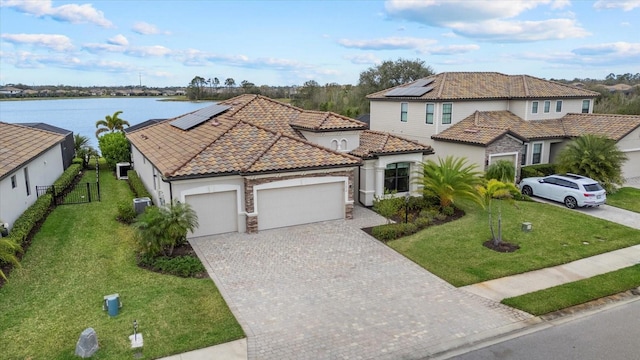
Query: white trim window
[[430, 110], [558, 106], [547, 106], [396, 177], [523, 158], [536, 154], [14, 182], [586, 105], [534, 107], [26, 181], [404, 110], [447, 110]]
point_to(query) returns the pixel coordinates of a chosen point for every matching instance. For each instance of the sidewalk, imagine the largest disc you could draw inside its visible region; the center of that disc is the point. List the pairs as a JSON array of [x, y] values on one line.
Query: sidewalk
[[520, 284], [234, 350]]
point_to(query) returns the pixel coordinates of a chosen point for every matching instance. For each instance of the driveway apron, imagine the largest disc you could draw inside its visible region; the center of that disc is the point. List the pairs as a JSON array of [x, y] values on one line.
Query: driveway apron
[[330, 291]]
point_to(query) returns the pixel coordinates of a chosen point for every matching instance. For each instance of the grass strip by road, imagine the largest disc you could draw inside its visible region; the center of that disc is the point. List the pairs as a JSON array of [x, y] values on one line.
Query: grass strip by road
[[627, 198], [576, 293], [454, 251], [81, 254]]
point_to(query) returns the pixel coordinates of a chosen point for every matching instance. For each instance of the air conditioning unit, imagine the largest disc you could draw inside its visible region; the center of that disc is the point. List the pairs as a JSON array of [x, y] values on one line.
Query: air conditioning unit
[[121, 170], [139, 204]]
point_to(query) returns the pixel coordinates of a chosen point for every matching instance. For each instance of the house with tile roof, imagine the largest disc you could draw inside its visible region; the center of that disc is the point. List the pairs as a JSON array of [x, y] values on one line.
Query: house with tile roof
[[488, 116], [29, 157], [251, 163]]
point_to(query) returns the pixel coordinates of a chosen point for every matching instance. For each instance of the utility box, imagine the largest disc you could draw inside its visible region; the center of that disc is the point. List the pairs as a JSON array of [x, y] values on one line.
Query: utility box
[[526, 227], [121, 170], [112, 304], [139, 204]]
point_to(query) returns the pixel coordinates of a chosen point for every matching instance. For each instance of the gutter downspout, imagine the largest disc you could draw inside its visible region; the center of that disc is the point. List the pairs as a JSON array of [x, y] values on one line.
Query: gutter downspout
[[170, 190]]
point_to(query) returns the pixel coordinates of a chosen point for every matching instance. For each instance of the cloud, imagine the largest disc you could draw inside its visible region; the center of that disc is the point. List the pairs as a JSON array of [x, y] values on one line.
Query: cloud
[[55, 42], [118, 40], [390, 43], [144, 28], [453, 49], [487, 20], [148, 51], [611, 4], [606, 54], [71, 13], [29, 60], [363, 59], [618, 49]]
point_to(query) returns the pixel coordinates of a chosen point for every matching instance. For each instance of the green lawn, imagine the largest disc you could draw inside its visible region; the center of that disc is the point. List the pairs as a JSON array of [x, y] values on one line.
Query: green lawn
[[81, 254], [454, 251], [625, 198], [578, 292]]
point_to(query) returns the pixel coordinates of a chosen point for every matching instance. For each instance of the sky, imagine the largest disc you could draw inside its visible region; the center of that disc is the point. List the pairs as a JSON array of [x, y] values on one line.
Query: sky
[[160, 43]]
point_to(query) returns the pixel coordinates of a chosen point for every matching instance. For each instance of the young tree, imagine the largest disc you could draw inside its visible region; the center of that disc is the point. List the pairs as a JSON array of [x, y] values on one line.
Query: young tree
[[596, 157], [195, 90], [495, 189], [450, 180], [111, 123]]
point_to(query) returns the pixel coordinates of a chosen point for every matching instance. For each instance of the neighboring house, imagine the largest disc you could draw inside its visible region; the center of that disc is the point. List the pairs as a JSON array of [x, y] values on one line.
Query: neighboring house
[[68, 145], [29, 157], [10, 90], [251, 163], [487, 117]]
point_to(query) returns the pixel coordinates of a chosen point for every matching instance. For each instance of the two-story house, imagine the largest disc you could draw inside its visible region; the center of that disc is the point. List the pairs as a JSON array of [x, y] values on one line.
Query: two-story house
[[488, 116]]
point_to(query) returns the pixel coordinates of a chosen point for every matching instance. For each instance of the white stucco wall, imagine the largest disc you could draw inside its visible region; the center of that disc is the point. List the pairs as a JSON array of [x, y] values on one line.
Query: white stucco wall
[[523, 108], [630, 145], [372, 176], [474, 154], [385, 116], [43, 170], [326, 139]]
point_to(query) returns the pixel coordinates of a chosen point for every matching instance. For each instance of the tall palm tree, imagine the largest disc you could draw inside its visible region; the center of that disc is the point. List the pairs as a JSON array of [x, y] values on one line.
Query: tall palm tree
[[450, 180], [593, 156], [111, 123]]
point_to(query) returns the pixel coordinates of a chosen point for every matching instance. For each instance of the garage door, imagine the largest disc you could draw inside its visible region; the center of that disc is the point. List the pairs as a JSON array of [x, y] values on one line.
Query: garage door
[[631, 167], [296, 205], [217, 212]]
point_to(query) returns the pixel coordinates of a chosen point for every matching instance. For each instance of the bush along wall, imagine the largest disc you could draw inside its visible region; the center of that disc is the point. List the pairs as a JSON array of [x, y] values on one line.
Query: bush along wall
[[537, 170], [136, 185]]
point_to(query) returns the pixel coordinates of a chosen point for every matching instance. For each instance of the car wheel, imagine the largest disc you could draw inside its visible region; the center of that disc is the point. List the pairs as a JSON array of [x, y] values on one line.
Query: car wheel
[[570, 202], [527, 190]]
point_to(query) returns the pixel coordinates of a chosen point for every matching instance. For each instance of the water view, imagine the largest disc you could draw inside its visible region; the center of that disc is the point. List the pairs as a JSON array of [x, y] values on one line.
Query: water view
[[80, 115]]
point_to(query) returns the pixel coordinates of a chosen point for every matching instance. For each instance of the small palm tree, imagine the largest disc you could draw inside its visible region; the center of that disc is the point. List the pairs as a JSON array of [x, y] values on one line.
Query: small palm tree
[[79, 142], [161, 229], [495, 189], [502, 170], [593, 156], [111, 123], [450, 180]]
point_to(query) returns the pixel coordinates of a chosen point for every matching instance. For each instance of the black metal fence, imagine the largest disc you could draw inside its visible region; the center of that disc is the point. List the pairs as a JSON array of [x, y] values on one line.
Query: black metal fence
[[79, 194]]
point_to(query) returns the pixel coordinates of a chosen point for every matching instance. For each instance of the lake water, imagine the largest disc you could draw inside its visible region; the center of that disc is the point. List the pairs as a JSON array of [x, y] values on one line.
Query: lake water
[[80, 115]]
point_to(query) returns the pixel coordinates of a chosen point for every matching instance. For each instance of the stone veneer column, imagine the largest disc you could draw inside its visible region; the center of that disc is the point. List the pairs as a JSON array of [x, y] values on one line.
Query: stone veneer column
[[251, 220]]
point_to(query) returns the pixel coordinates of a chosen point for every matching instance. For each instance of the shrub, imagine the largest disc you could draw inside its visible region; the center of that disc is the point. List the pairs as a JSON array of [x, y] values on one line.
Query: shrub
[[441, 217], [389, 232], [387, 207], [537, 170], [30, 218], [68, 176], [422, 222], [126, 212], [184, 266], [136, 185], [114, 148], [430, 213], [502, 170], [448, 210]]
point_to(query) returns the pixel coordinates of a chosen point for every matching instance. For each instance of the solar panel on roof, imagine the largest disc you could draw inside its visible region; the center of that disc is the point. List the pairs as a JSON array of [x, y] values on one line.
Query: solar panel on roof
[[409, 91], [422, 82], [188, 121]]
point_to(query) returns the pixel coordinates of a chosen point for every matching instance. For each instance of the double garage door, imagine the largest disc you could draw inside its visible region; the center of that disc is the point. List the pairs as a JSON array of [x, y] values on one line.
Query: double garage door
[[276, 207]]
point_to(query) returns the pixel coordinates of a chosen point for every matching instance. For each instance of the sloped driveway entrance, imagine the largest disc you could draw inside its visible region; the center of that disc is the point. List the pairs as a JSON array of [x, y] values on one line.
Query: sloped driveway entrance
[[329, 291]]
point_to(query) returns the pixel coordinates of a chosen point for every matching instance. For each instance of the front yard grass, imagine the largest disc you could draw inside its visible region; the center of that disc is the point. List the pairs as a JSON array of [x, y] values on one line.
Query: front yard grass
[[454, 251], [627, 198], [81, 254], [578, 292]]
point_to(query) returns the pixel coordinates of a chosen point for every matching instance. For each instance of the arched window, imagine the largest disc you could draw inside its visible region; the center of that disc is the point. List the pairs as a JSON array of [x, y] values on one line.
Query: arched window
[[343, 144], [396, 177], [334, 144]]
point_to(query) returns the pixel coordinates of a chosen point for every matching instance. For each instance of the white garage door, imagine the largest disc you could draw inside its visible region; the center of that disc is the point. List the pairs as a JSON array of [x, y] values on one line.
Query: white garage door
[[631, 167], [300, 205], [217, 212]]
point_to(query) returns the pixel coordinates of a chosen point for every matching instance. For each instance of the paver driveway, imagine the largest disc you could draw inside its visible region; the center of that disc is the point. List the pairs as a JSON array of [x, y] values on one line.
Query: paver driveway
[[330, 291]]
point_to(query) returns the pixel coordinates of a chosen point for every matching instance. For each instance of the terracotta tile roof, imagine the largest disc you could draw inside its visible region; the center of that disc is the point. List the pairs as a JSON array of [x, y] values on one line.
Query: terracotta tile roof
[[20, 144], [325, 121], [484, 127], [253, 136], [490, 85], [610, 125], [375, 143]]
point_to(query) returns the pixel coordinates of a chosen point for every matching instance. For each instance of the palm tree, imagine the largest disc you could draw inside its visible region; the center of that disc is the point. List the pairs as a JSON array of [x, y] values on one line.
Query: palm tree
[[450, 180], [111, 123], [79, 142], [593, 156], [502, 170], [495, 189], [160, 229]]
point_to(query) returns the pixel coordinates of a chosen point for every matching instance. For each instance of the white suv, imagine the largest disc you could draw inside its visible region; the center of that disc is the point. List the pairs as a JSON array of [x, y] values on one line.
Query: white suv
[[573, 190]]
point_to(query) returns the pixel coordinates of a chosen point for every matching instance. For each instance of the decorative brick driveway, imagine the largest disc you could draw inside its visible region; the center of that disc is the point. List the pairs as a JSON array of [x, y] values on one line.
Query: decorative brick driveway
[[329, 291]]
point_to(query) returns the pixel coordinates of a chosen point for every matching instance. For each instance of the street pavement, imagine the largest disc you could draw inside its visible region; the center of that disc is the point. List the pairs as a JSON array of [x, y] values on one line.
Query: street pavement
[[330, 291]]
